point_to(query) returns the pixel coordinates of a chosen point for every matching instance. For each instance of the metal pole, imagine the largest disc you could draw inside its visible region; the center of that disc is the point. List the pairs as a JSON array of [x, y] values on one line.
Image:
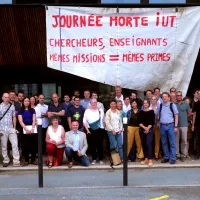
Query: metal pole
[[40, 159], [125, 157]]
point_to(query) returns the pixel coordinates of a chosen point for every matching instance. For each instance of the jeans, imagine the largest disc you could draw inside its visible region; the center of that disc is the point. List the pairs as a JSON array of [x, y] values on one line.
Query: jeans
[[116, 141], [168, 136], [70, 154], [147, 143]]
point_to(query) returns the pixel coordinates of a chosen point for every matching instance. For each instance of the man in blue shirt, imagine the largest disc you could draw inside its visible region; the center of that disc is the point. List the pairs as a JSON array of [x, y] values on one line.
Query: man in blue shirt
[[85, 102], [168, 115], [76, 145]]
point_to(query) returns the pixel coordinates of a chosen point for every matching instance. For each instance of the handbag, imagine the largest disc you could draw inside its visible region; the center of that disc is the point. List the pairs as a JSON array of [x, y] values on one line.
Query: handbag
[[95, 125], [29, 127], [5, 112], [115, 158]]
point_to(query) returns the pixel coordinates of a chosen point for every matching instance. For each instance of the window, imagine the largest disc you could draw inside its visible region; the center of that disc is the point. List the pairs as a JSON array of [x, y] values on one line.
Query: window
[[167, 1], [120, 1], [6, 2]]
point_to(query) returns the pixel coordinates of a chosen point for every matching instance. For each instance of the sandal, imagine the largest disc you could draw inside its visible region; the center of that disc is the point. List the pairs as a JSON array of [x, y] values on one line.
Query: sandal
[[50, 165], [26, 163], [34, 163]]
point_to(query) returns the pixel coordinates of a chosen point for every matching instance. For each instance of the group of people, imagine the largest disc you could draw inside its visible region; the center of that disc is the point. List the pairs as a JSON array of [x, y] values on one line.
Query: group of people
[[159, 127]]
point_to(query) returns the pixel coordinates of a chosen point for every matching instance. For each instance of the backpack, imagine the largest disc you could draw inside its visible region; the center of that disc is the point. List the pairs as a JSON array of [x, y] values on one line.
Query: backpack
[[171, 108]]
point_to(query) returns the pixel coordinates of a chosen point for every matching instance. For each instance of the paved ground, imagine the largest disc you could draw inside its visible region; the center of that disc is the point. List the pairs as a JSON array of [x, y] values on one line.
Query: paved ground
[[132, 165], [102, 184]]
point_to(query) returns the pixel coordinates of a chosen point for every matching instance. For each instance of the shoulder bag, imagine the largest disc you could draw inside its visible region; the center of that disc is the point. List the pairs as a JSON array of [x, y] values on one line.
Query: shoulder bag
[[5, 112]]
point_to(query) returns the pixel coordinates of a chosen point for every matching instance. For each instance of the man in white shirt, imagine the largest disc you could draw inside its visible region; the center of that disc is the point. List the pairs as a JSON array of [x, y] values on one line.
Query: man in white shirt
[[41, 113], [119, 95]]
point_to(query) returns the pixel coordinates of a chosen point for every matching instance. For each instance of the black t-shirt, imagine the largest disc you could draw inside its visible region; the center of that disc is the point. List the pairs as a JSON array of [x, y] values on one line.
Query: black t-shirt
[[146, 117], [196, 109], [76, 114], [134, 119], [53, 108]]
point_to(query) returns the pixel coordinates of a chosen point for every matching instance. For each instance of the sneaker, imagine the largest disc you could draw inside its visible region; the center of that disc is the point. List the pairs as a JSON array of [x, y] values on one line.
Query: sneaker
[[195, 158], [178, 158], [70, 165], [183, 159], [101, 162], [94, 162], [17, 165], [150, 163], [172, 162], [164, 160], [5, 164]]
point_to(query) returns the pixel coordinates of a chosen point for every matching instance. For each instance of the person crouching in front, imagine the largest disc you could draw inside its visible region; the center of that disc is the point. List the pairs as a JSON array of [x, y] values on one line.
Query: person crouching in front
[[55, 138], [76, 145]]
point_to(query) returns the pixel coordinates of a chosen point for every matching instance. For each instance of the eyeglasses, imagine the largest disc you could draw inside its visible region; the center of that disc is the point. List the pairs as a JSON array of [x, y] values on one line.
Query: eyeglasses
[[179, 95]]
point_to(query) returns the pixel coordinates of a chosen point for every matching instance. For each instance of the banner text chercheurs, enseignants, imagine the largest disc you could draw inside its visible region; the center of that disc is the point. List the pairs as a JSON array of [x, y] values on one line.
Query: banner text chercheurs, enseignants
[[99, 43]]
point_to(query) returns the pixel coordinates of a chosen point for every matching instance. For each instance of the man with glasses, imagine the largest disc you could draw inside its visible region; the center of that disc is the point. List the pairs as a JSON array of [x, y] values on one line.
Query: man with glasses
[[76, 113], [181, 135]]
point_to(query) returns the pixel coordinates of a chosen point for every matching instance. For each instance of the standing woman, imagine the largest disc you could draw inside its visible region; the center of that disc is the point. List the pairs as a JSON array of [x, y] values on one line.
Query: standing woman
[[146, 121], [27, 120], [33, 102], [93, 122], [114, 128], [133, 130], [156, 128]]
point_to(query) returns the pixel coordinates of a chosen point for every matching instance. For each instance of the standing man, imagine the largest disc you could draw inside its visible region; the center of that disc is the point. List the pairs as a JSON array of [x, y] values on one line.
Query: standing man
[[173, 97], [20, 98], [119, 96], [76, 113], [8, 129], [173, 89], [183, 112], [86, 100], [157, 94], [134, 97], [168, 115], [41, 113], [77, 93], [56, 108], [195, 99], [196, 125], [66, 105], [149, 94], [99, 104]]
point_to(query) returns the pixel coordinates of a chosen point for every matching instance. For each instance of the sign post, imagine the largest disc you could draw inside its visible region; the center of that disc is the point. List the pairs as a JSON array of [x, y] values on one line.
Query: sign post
[[40, 159], [125, 157]]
